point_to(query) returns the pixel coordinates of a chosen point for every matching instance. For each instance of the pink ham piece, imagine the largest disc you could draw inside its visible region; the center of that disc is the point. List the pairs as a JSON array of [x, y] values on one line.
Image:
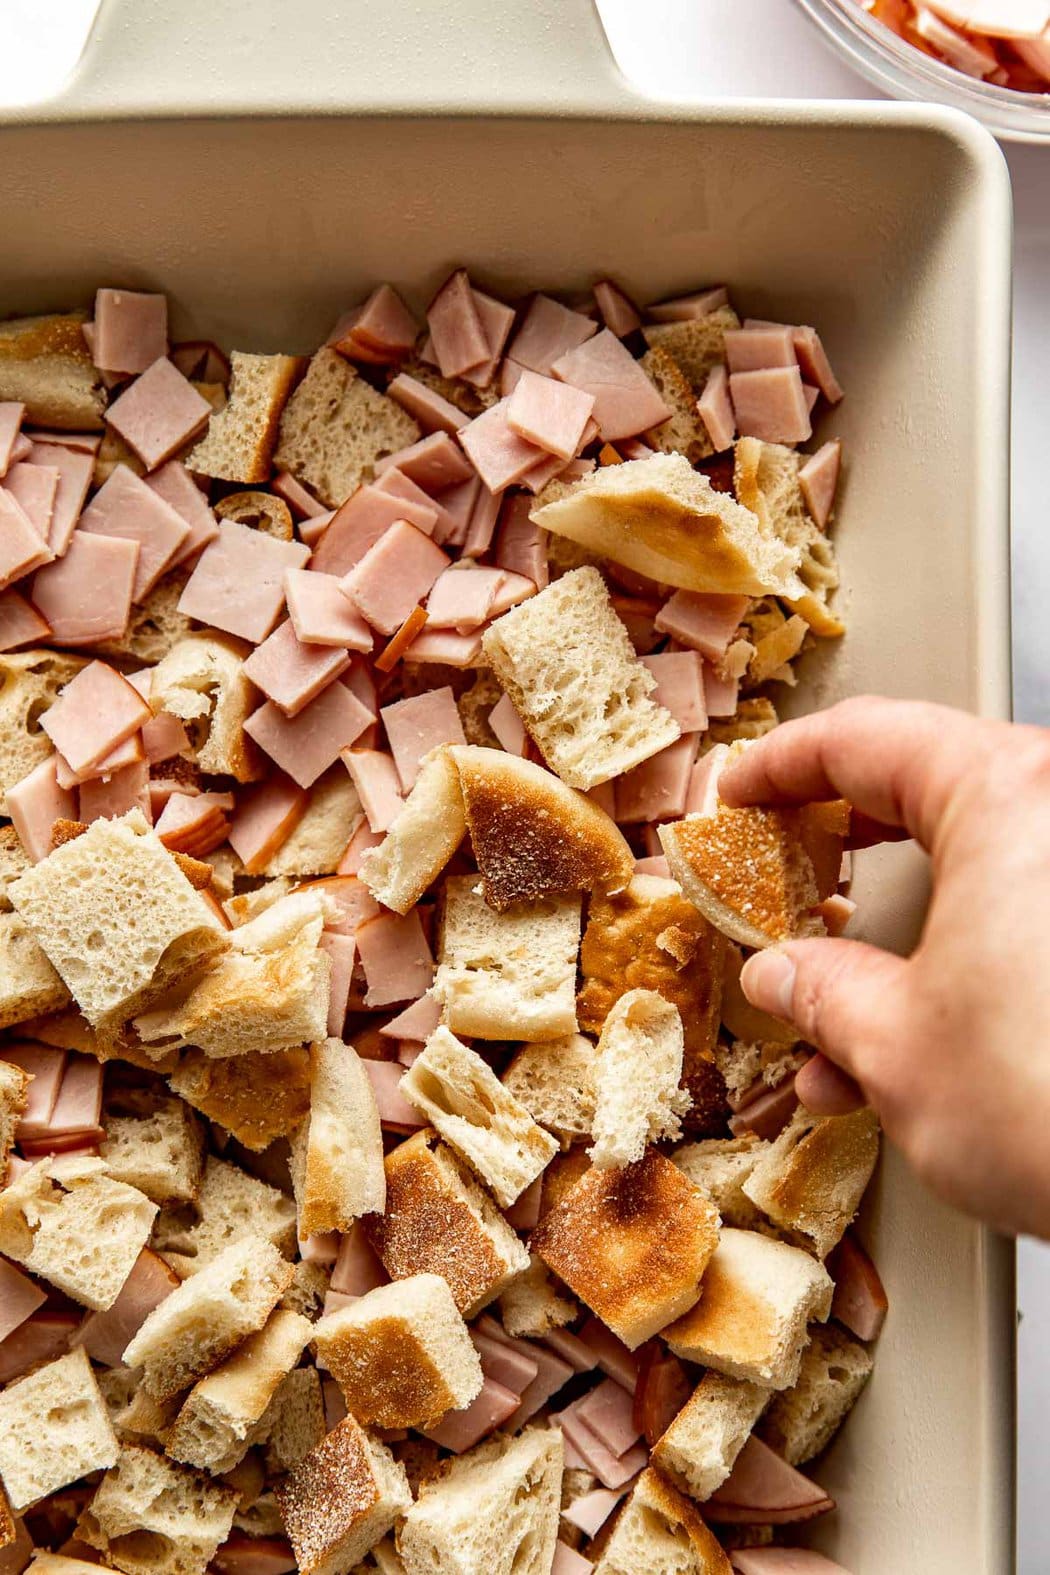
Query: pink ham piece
[[396, 959], [680, 687], [39, 1339], [35, 803], [104, 1335], [683, 308], [769, 1113], [164, 737], [20, 623], [715, 409], [571, 1349], [158, 413], [22, 548], [128, 753], [11, 417], [514, 1369], [290, 673], [351, 897], [521, 546], [483, 519], [334, 1407], [73, 442], [304, 746], [174, 485], [19, 1298], [34, 488], [551, 415], [497, 453], [752, 349], [445, 647], [195, 824], [341, 950], [497, 320], [612, 1355], [462, 599], [608, 1411], [408, 1053], [238, 582], [95, 712], [549, 331], [75, 470], [434, 463], [508, 727], [814, 363], [21, 448], [612, 1470], [360, 522], [78, 1107], [550, 465], [416, 726], [626, 401], [771, 405], [590, 1511], [300, 499], [395, 1112], [322, 1248], [461, 1430], [45, 1065], [510, 375], [131, 330], [457, 333], [619, 313], [125, 507], [553, 1375], [311, 530], [428, 408], [102, 798], [659, 788], [357, 1269], [266, 814], [860, 1301], [568, 1562], [243, 1555], [783, 1561], [363, 841], [971, 55], [705, 623], [819, 479], [375, 776], [381, 329], [417, 1021], [721, 692], [394, 576], [524, 1212], [762, 1489], [396, 484]]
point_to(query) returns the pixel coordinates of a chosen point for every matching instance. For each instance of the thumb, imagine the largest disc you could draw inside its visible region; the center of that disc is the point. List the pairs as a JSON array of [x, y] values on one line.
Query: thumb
[[838, 994]]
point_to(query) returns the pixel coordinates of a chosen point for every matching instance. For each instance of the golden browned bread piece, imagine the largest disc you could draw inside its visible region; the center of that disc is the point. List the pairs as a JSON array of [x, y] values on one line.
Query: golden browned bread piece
[[765, 479], [633, 1244], [810, 1181], [46, 365], [660, 1531], [683, 432], [256, 1097], [438, 1220], [561, 1176], [532, 835], [698, 344], [341, 1499]]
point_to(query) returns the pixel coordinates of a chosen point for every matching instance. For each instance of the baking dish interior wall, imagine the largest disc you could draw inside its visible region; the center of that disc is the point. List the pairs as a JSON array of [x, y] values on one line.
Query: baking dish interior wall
[[261, 232]]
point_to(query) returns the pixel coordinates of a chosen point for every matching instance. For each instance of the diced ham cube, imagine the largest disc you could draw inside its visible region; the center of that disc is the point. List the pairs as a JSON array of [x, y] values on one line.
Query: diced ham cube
[[364, 839], [860, 1301], [396, 484], [568, 1562], [683, 308], [512, 1368], [381, 329], [125, 754], [375, 776], [34, 488], [549, 414], [510, 375], [435, 462], [752, 349], [22, 548], [703, 796], [360, 522], [704, 622], [357, 1268], [265, 817], [39, 1339], [658, 788], [769, 1113], [72, 442], [612, 1470], [414, 727], [342, 951], [125, 507], [19, 1298], [290, 673], [21, 448], [626, 401], [462, 598], [613, 1357], [321, 1248], [608, 1410], [334, 1405], [174, 484], [763, 1489], [75, 470], [163, 737], [103, 798], [394, 576], [715, 409], [571, 1349], [193, 823], [300, 500], [680, 687], [350, 896], [11, 416], [508, 727], [78, 1106], [721, 692], [416, 1022], [158, 413], [521, 546], [771, 405], [456, 330], [445, 647], [97, 710], [483, 519], [553, 1375], [20, 623], [549, 331], [131, 330], [395, 1112], [619, 313], [45, 1065], [819, 479], [461, 1430], [104, 1335], [238, 582], [498, 454], [497, 320], [311, 530], [304, 746], [428, 408], [396, 959], [590, 1511]]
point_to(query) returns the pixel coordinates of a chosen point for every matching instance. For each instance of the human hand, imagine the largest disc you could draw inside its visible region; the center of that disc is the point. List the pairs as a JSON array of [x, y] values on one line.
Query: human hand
[[952, 1045]]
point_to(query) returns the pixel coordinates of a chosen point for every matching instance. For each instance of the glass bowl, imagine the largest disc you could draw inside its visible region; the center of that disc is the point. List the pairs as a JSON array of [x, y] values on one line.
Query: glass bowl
[[894, 66]]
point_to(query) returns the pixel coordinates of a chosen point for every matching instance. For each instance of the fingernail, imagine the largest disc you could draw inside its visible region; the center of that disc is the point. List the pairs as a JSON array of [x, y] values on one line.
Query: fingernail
[[768, 981]]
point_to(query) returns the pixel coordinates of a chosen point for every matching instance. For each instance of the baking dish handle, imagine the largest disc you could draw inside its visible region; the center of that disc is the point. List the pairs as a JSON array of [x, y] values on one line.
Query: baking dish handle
[[222, 57]]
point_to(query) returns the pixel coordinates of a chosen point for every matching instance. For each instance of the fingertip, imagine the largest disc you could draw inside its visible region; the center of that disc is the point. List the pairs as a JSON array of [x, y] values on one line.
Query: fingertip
[[768, 980]]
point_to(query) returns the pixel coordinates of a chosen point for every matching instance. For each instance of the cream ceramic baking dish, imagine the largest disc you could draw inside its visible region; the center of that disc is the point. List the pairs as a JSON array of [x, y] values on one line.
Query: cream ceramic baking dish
[[264, 165]]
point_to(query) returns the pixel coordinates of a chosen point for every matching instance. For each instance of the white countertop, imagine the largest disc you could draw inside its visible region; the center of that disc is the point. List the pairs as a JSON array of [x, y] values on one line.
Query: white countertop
[[704, 48]]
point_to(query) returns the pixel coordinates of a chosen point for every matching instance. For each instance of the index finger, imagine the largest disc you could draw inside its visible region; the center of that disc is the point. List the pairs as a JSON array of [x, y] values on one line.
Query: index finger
[[896, 761]]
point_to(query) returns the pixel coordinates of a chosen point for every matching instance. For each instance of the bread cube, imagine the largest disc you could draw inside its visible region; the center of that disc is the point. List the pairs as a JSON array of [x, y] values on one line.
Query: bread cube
[[341, 1499], [337, 1155], [804, 1419], [230, 1205], [54, 1429], [638, 1097], [152, 1517], [811, 1179], [699, 1448], [660, 1530]]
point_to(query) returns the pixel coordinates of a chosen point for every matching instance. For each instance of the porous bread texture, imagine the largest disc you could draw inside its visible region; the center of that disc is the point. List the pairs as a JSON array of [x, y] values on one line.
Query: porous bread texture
[[765, 479], [14, 1093], [257, 1098], [150, 1516], [307, 1292], [337, 1155], [494, 1509], [261, 511], [201, 681], [230, 1205], [461, 1096], [756, 1302], [697, 345], [555, 1081], [45, 364], [700, 1447], [54, 1429], [567, 663], [507, 975], [239, 442], [135, 1414], [664, 519], [755, 716], [201, 1322], [13, 862], [220, 1416], [811, 1179], [341, 1499], [532, 1305], [531, 835], [29, 685], [320, 838], [637, 1077], [802, 1421], [660, 1532], [683, 432], [29, 986], [66, 1220], [155, 624], [158, 1148], [750, 1068], [336, 426], [294, 1422], [118, 919], [720, 1166], [269, 992], [439, 1220], [633, 1244], [401, 1354], [429, 828]]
